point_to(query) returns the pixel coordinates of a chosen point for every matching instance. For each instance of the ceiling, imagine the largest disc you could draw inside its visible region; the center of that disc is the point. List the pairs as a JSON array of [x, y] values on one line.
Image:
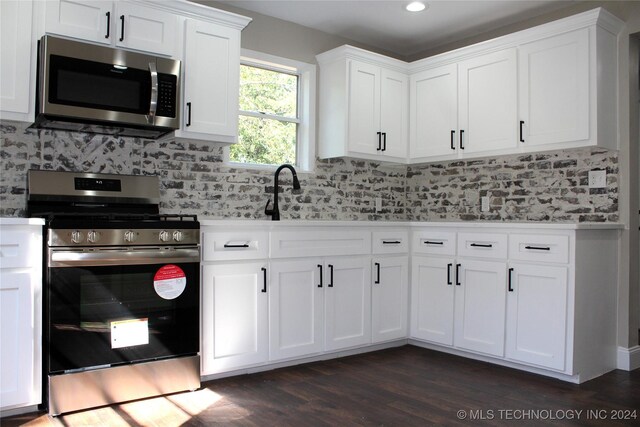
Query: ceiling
[[386, 24]]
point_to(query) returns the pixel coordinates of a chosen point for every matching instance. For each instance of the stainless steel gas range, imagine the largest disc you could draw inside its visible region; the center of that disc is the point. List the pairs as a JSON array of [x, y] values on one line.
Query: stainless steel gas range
[[121, 290]]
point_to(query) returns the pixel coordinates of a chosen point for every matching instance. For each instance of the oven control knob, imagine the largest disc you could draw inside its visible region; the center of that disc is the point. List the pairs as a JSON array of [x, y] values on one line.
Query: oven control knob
[[129, 236], [178, 236], [77, 236], [93, 236], [164, 236]]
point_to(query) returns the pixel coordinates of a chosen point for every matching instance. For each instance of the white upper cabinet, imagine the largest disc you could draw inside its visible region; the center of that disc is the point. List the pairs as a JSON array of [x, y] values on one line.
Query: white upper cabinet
[[434, 113], [16, 102], [363, 105], [554, 89], [211, 82], [123, 24], [487, 102]]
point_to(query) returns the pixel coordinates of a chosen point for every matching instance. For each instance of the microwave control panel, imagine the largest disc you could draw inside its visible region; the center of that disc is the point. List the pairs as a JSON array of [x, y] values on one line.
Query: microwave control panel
[[167, 84]]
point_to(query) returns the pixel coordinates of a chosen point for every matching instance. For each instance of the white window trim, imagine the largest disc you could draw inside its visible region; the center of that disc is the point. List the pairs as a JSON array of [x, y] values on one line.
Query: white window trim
[[306, 149]]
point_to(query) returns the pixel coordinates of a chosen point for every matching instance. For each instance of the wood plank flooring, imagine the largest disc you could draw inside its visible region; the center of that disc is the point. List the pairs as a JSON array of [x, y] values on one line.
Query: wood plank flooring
[[404, 386]]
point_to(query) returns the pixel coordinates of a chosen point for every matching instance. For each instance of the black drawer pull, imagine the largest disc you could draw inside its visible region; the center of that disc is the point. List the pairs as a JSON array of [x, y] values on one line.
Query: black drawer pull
[[236, 246], [377, 281], [481, 245], [449, 282], [458, 274], [428, 242], [122, 28], [379, 141], [391, 242], [453, 136], [320, 267], [521, 124], [264, 278], [538, 248], [384, 141], [108, 25], [188, 114], [461, 136], [330, 276], [510, 287]]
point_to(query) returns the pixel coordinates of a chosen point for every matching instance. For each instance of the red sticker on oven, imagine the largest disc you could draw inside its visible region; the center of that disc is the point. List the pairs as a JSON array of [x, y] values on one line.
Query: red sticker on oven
[[169, 281]]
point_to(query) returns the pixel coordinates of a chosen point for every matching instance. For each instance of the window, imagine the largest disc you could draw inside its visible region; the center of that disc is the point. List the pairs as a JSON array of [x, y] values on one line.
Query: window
[[277, 111]]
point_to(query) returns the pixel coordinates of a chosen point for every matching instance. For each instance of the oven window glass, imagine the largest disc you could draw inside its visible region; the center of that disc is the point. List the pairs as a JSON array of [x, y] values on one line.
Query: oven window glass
[[97, 85], [114, 315]]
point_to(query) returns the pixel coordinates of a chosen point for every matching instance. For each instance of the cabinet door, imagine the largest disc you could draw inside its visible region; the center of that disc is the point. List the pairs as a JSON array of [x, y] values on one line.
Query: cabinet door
[[554, 88], [82, 19], [211, 82], [15, 67], [432, 299], [296, 301], [434, 112], [16, 339], [145, 29], [389, 298], [347, 302], [364, 108], [488, 102], [537, 315], [394, 104], [480, 306], [234, 316]]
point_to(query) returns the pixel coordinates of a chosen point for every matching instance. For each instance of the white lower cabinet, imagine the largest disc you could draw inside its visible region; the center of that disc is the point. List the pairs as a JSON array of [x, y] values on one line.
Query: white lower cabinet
[[389, 298], [296, 301], [537, 314], [20, 316], [235, 328]]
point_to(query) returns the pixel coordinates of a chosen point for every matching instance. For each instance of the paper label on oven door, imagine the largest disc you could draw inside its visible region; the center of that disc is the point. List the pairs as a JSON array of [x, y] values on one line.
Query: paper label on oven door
[[169, 281], [130, 332]]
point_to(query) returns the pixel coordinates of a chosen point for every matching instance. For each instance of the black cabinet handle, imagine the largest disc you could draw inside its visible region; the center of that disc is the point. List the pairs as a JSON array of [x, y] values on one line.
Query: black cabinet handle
[[330, 276], [108, 25], [264, 279], [510, 287], [453, 136], [384, 141], [391, 242], [521, 124], [428, 242], [481, 245], [458, 274], [461, 136], [226, 245], [121, 28], [379, 141], [188, 114], [538, 248], [320, 267], [449, 282], [377, 281]]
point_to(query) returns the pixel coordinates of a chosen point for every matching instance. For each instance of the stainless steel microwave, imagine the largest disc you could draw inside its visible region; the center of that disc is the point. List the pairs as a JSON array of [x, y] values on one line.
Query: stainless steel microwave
[[89, 88]]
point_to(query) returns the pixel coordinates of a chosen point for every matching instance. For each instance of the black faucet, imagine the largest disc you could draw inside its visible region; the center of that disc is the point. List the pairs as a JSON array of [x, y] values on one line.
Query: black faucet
[[275, 212]]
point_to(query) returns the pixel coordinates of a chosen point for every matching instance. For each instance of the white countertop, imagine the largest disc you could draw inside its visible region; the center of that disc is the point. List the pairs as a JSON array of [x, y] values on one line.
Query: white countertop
[[21, 221], [385, 224]]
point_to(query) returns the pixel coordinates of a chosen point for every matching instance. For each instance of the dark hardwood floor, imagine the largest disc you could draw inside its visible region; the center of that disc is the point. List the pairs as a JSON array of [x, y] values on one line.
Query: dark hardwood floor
[[405, 386]]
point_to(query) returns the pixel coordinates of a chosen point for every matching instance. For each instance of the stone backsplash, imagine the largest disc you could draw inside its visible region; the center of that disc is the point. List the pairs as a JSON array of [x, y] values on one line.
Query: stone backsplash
[[195, 180]]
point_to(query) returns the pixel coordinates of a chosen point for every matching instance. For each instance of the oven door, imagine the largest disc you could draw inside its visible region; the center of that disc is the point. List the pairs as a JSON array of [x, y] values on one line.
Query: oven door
[[118, 306]]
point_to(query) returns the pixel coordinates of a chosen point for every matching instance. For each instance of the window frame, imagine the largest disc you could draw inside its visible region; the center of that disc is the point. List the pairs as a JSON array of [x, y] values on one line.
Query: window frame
[[306, 108]]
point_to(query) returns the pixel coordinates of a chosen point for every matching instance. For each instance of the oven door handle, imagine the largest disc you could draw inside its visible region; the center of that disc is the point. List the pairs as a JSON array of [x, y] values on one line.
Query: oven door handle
[[64, 258]]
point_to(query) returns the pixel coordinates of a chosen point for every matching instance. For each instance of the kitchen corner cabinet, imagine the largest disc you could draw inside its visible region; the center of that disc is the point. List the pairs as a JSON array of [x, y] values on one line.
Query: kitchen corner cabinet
[[20, 315], [211, 82], [363, 106], [18, 60], [130, 25]]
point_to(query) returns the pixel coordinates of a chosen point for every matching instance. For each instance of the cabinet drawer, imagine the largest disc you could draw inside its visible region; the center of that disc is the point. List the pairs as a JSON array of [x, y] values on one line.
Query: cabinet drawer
[[288, 244], [539, 247], [390, 242], [482, 245], [235, 245], [434, 242], [16, 250]]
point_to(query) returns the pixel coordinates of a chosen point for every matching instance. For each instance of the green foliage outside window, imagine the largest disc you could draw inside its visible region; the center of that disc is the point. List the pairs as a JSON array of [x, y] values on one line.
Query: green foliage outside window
[[267, 126]]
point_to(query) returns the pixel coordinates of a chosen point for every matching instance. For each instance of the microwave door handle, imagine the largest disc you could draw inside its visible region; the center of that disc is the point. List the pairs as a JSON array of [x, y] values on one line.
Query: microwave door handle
[[153, 104]]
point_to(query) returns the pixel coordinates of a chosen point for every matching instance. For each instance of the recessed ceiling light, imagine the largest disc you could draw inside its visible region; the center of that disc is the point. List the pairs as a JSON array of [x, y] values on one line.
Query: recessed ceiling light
[[416, 6]]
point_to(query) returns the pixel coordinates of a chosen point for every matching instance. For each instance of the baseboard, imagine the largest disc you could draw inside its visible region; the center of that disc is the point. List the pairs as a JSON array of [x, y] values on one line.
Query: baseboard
[[628, 358]]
